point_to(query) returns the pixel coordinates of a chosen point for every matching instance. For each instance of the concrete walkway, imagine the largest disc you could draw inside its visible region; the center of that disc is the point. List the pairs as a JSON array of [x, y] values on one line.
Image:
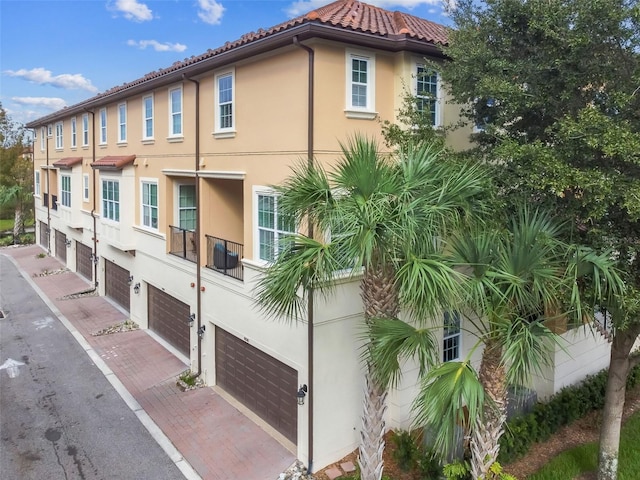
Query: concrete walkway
[[204, 435]]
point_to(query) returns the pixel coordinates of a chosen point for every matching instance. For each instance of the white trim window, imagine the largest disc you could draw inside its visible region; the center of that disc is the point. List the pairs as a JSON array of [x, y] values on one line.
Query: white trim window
[[49, 130], [225, 102], [187, 206], [271, 226], [103, 126], [427, 93], [111, 200], [147, 117], [360, 86], [65, 190], [175, 112], [43, 138], [85, 130], [150, 204], [36, 183], [85, 187], [59, 136], [452, 337], [122, 123], [74, 133]]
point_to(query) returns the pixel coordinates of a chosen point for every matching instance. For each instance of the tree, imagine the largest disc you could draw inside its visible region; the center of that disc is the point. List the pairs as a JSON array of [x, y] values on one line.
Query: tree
[[16, 181], [376, 217], [513, 282], [556, 88]]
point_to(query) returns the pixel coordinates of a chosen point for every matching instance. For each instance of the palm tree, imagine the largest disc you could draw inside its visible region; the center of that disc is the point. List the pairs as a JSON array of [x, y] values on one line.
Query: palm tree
[[371, 215], [16, 197], [514, 281]]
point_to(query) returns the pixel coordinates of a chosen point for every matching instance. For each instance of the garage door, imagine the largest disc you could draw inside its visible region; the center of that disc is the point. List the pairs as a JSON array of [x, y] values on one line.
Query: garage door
[[265, 385], [84, 266], [44, 235], [61, 247], [116, 284], [168, 317]]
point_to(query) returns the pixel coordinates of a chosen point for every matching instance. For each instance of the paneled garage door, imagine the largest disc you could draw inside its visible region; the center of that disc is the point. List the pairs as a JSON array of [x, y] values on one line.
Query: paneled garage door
[[168, 317], [116, 284], [61, 247], [265, 385], [84, 265]]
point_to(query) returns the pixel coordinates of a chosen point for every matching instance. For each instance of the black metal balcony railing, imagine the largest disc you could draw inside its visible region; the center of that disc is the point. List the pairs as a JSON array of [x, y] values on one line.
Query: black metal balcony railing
[[54, 202], [225, 256], [45, 199], [182, 243]]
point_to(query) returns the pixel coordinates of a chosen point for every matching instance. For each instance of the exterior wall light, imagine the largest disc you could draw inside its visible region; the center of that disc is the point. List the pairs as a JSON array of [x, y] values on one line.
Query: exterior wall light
[[67, 243], [130, 280], [201, 331], [192, 319], [136, 288], [302, 392], [95, 259]]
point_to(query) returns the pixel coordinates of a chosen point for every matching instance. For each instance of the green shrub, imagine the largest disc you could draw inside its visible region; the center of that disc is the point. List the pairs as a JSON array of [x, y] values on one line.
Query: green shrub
[[406, 452], [566, 406]]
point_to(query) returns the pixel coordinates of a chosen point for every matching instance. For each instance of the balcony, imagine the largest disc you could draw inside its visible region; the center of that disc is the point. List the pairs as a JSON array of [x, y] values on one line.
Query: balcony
[[182, 243], [225, 256]]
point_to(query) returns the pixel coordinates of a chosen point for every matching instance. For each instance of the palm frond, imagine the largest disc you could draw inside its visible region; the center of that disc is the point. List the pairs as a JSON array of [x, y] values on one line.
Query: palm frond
[[391, 341], [450, 396]]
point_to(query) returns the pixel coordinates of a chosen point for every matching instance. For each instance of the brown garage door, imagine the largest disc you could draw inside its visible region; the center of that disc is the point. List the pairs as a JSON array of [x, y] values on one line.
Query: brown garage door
[[116, 284], [61, 246], [169, 318], [84, 265], [44, 235], [265, 385]]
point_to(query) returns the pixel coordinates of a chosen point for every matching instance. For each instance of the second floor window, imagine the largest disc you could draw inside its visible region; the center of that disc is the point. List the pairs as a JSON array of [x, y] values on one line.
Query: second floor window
[[59, 134], [103, 126], [111, 200], [122, 122], [272, 227], [360, 86], [85, 187], [175, 112], [224, 97], [451, 338], [147, 117], [74, 133], [36, 183], [85, 130], [43, 139], [65, 191], [427, 93], [187, 207], [150, 204]]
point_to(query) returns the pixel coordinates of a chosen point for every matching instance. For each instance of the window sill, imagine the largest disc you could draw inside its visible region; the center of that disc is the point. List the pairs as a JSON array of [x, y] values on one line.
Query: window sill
[[361, 114], [73, 149], [149, 231], [103, 145], [122, 144], [85, 147], [148, 141], [224, 134], [175, 139]]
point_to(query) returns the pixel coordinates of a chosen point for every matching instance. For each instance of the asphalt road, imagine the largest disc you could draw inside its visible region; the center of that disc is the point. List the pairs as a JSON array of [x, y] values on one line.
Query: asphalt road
[[59, 416]]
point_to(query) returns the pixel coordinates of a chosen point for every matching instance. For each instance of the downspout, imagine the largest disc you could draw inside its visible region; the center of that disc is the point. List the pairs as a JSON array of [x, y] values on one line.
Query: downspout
[[197, 232], [48, 197], [310, 112], [93, 200]]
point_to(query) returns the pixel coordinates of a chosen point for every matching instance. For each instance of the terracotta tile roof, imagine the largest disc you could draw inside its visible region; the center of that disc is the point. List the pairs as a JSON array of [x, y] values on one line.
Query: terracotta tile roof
[[347, 15], [113, 162], [67, 162]]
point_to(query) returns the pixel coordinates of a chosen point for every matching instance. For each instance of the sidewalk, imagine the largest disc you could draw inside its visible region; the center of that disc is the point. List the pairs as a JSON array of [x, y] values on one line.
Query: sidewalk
[[204, 435]]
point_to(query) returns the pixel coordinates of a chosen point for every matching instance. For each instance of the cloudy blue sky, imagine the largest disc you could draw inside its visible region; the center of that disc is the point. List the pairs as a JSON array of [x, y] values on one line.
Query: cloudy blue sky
[[56, 53]]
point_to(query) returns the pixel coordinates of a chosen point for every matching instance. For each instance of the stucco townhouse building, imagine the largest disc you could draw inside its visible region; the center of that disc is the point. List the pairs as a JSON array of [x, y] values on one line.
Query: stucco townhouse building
[[157, 192]]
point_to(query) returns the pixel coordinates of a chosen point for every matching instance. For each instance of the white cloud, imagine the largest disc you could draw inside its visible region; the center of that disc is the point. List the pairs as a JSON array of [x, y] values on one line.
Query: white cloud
[[132, 10], [157, 46], [303, 6], [210, 11], [50, 103], [68, 81]]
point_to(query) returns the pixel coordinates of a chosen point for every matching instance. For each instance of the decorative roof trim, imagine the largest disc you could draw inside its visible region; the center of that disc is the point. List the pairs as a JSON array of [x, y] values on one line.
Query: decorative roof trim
[[67, 163], [113, 162]]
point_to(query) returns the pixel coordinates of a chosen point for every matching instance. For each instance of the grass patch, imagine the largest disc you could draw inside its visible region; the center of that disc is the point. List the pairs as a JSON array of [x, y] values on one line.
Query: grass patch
[[6, 224], [584, 458]]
